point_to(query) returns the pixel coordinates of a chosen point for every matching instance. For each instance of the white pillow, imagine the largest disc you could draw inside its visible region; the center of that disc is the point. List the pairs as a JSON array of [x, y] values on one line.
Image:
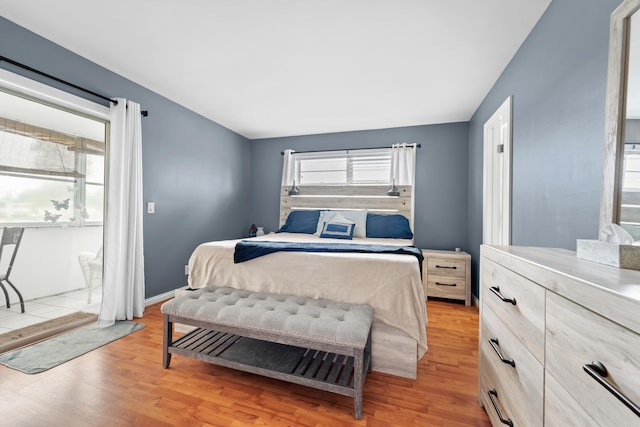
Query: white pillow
[[339, 219], [357, 217]]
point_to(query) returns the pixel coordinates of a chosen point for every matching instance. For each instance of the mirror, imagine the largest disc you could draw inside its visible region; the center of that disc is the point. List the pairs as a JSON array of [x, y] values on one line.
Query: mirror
[[620, 197], [629, 213]]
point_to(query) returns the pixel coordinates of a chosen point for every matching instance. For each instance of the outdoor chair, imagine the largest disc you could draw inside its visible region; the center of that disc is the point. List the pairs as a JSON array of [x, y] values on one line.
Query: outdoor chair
[[91, 265], [11, 238]]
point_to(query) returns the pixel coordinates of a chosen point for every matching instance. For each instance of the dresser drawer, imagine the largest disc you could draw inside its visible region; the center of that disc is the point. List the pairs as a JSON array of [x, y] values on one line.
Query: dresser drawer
[[577, 337], [494, 396], [496, 409], [520, 376], [446, 287], [446, 267], [518, 302], [560, 408]]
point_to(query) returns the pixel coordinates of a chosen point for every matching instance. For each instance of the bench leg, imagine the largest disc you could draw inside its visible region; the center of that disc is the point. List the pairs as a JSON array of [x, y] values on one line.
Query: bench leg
[[367, 353], [358, 382], [167, 339]]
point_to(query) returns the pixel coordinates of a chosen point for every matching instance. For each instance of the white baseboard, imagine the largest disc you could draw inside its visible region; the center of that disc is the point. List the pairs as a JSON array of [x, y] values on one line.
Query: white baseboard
[[161, 297], [475, 301], [178, 327]]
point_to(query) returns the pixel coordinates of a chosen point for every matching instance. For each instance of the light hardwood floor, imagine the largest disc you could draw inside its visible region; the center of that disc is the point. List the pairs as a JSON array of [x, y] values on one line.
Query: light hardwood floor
[[124, 384]]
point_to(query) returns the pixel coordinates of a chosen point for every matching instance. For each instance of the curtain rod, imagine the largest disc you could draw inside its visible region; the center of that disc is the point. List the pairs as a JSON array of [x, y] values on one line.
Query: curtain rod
[[344, 149], [49, 76]]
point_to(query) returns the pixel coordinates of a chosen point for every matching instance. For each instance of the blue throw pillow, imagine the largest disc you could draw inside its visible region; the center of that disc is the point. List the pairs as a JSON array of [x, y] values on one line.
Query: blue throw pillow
[[337, 230], [393, 226], [301, 222]]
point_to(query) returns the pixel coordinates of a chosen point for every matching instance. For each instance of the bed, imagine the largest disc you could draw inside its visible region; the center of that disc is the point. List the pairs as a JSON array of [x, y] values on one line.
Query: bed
[[391, 283]]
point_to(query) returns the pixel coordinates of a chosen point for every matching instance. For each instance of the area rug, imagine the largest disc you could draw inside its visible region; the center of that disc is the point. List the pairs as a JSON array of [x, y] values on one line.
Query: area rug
[[62, 348], [43, 330]]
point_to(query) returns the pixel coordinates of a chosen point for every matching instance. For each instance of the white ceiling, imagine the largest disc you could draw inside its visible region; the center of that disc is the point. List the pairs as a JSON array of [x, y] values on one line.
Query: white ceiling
[[295, 67]]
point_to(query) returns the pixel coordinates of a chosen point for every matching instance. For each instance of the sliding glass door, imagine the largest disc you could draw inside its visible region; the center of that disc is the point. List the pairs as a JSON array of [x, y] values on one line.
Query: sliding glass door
[[52, 167]]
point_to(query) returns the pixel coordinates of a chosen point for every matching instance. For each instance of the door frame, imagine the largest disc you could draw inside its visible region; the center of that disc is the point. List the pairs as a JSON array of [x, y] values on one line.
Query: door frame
[[496, 182]]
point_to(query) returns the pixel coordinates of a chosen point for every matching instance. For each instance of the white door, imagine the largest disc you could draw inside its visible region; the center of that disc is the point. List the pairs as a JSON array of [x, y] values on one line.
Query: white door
[[497, 177]]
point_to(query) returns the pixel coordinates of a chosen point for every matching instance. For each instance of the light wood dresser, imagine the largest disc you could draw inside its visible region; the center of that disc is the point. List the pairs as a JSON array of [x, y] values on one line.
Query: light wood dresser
[[559, 339], [447, 274]]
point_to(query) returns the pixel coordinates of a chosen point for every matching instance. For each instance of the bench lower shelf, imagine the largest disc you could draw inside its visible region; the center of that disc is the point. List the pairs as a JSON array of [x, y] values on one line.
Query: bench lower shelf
[[305, 366]]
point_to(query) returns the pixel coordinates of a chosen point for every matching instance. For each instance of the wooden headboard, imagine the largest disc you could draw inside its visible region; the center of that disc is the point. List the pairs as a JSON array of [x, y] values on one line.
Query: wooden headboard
[[371, 197]]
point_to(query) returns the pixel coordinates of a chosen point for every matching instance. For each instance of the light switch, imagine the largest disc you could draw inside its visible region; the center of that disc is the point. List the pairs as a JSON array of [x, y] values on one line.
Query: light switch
[[151, 207]]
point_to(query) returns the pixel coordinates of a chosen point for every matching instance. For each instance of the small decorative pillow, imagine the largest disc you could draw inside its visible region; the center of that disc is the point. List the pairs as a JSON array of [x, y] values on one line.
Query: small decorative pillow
[[337, 230]]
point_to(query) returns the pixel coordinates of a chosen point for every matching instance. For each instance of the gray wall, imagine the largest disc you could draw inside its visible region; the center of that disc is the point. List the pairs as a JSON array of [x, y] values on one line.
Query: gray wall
[[194, 170], [198, 172], [558, 83], [441, 176]]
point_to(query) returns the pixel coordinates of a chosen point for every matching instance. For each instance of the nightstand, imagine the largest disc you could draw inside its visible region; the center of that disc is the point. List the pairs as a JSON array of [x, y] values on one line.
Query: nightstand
[[447, 274]]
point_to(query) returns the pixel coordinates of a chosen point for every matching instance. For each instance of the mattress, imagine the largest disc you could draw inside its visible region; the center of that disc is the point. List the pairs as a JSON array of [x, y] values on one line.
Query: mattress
[[390, 283]]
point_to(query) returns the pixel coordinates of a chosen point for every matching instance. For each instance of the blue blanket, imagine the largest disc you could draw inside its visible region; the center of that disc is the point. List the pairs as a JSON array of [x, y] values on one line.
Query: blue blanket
[[250, 249]]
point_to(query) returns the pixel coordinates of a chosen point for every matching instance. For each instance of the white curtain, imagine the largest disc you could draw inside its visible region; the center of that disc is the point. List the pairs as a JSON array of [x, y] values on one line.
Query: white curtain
[[123, 280], [288, 168], [403, 164]]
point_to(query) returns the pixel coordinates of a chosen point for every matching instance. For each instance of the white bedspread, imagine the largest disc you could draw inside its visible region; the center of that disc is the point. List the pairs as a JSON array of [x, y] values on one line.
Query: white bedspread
[[390, 283]]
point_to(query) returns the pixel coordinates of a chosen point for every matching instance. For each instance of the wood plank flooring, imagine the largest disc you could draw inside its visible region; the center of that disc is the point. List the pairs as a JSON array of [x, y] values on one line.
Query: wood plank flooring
[[124, 384]]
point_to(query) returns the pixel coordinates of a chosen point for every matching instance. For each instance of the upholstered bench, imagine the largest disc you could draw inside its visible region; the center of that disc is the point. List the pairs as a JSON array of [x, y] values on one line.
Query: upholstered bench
[[316, 343]]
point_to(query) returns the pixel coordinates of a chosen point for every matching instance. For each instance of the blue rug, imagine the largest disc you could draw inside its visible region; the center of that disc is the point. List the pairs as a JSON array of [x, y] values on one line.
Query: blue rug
[[62, 348]]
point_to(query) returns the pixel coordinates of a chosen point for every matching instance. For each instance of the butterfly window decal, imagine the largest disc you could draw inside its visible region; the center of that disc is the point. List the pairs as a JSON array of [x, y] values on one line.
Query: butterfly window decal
[[83, 213], [61, 205], [48, 216]]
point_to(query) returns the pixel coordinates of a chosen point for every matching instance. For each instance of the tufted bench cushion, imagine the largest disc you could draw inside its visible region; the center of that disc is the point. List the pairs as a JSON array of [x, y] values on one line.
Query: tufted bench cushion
[[313, 342], [313, 319]]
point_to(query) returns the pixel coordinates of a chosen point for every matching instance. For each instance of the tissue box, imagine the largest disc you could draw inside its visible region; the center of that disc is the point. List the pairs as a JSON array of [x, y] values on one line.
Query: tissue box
[[613, 254]]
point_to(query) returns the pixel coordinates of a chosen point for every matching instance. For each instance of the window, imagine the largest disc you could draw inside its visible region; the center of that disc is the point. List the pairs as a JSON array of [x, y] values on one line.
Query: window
[[631, 177], [355, 167], [630, 206], [51, 163]]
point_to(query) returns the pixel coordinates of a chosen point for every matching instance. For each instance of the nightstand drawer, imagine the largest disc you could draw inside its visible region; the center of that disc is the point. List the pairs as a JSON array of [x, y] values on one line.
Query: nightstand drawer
[[578, 343], [446, 287], [446, 267]]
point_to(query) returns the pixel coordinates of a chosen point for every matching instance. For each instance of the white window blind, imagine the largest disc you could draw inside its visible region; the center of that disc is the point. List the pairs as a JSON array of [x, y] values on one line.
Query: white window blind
[[26, 148], [630, 194], [349, 167], [631, 176]]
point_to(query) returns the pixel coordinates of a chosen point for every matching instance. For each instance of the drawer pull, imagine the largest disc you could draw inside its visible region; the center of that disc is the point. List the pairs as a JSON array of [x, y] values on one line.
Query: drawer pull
[[445, 284], [506, 421], [452, 267], [598, 372], [494, 343], [496, 290]]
